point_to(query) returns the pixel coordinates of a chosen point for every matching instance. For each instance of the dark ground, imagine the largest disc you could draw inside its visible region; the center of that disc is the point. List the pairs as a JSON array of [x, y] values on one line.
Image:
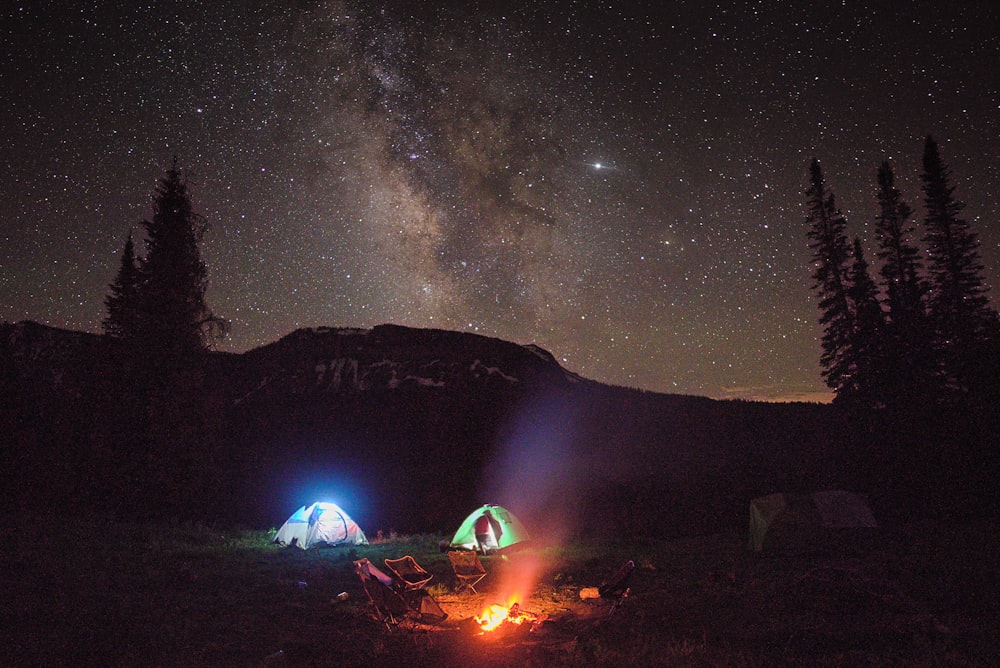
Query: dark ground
[[85, 593]]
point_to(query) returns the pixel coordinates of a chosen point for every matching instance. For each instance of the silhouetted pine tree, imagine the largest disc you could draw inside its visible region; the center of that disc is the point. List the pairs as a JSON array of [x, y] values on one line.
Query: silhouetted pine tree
[[828, 244], [174, 318], [126, 427], [910, 368], [866, 344], [122, 300], [958, 306]]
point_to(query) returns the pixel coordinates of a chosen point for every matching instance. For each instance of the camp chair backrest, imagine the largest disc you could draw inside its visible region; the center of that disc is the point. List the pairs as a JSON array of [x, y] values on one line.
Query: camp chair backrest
[[409, 572], [365, 568], [468, 569]]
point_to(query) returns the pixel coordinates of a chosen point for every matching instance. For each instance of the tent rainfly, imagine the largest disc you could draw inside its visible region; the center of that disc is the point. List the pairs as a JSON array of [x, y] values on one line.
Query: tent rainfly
[[806, 522], [320, 524], [489, 527]]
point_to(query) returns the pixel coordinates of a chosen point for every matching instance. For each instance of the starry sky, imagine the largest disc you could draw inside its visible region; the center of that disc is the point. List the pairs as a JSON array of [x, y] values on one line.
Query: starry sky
[[620, 184]]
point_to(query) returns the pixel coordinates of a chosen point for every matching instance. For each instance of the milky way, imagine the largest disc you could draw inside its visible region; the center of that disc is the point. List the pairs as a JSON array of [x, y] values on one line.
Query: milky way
[[620, 186]]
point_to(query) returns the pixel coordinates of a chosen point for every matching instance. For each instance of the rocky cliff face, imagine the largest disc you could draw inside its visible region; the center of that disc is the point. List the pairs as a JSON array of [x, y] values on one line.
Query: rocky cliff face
[[390, 357]]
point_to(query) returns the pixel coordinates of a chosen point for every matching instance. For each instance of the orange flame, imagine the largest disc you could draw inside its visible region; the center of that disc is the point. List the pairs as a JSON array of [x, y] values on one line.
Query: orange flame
[[495, 615], [492, 617]]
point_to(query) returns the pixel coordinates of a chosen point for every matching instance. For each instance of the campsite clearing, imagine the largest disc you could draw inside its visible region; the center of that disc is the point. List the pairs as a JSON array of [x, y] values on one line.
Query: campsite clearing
[[114, 594]]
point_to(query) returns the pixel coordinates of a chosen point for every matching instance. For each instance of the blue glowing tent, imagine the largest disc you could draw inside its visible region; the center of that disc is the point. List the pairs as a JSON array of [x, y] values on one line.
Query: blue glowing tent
[[320, 524]]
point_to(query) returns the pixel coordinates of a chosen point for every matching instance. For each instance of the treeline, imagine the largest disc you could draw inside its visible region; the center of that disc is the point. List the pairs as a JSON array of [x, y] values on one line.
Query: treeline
[[914, 347], [924, 332]]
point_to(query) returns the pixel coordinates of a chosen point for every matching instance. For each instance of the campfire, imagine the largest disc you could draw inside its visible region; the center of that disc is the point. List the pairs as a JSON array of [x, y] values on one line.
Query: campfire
[[508, 620], [497, 620]]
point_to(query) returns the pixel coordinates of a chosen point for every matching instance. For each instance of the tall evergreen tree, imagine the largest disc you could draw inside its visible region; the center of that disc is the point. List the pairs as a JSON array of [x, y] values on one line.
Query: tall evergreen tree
[[122, 300], [866, 344], [830, 256], [175, 320], [909, 363], [900, 258], [958, 305]]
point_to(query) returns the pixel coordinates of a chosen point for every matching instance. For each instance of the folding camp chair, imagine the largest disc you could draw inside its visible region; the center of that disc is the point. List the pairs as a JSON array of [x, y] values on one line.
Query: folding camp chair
[[393, 601], [390, 607], [468, 569], [617, 587], [409, 572], [424, 607], [410, 579]]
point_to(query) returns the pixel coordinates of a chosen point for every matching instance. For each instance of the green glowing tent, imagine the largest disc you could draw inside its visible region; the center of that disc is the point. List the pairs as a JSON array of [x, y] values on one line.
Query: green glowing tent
[[498, 529]]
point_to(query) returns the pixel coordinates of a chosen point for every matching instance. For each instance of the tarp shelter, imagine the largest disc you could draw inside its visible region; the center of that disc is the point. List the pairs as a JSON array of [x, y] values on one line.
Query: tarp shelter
[[806, 522], [320, 524], [502, 530]]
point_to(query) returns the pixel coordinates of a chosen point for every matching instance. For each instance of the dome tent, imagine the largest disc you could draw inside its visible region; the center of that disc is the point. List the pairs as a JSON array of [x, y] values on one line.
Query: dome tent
[[803, 523], [503, 529], [320, 524]]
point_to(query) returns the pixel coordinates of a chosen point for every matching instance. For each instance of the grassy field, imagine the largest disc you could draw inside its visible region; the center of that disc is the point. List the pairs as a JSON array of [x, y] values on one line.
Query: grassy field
[[86, 593]]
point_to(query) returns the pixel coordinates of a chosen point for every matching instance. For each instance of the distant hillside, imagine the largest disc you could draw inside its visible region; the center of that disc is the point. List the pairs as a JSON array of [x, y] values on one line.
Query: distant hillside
[[416, 427]]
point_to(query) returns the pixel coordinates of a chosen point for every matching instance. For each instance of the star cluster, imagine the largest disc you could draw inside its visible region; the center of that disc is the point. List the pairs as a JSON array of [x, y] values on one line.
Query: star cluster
[[620, 185]]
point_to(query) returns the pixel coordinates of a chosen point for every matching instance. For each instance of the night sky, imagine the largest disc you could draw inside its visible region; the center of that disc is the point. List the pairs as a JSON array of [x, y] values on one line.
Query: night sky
[[622, 186]]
